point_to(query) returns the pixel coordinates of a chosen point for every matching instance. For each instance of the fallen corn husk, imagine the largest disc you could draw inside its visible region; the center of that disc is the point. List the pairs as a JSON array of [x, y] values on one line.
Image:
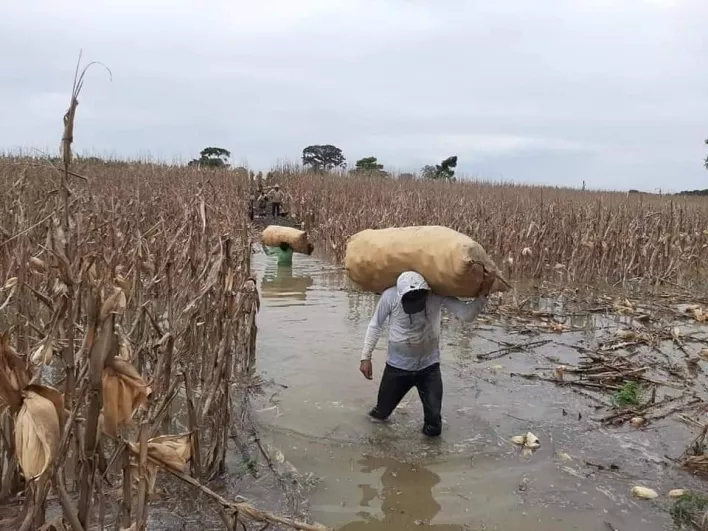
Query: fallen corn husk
[[677, 493], [173, 451], [559, 372], [644, 493], [563, 456], [527, 441], [124, 390], [636, 422], [37, 434], [518, 439], [532, 441]]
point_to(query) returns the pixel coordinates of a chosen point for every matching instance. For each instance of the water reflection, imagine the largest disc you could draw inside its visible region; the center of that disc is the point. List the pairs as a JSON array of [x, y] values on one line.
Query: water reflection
[[406, 498], [279, 282]]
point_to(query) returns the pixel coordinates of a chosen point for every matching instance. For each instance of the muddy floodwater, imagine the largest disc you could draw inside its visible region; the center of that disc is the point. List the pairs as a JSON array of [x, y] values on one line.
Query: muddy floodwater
[[365, 476]]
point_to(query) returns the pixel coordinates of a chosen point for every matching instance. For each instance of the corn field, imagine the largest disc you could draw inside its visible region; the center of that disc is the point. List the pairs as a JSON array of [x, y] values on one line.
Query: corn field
[[122, 286], [559, 235]]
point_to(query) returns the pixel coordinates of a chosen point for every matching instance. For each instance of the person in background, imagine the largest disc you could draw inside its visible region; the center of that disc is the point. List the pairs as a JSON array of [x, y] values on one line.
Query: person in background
[[251, 206], [276, 199], [284, 253], [414, 313], [261, 203]]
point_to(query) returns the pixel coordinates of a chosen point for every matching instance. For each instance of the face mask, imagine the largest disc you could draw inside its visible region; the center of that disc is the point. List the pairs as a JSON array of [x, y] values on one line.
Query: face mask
[[414, 301]]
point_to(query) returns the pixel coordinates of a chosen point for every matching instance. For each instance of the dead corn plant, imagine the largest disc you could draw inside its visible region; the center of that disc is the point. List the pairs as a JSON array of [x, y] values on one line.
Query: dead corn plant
[[554, 234], [123, 286]]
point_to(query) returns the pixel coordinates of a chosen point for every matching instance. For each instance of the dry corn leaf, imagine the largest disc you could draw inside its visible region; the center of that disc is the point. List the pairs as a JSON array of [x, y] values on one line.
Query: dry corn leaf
[[13, 367], [559, 372], [125, 349], [115, 303], [37, 265], [36, 435], [704, 353], [644, 493], [10, 283], [44, 352], [124, 390], [122, 282]]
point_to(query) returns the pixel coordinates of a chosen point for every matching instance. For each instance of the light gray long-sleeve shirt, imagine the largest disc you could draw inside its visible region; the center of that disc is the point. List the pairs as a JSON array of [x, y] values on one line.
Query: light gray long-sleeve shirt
[[414, 340]]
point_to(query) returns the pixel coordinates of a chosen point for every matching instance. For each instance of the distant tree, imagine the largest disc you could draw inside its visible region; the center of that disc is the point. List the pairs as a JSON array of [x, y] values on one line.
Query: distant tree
[[443, 171], [445, 168], [212, 157], [324, 157], [705, 162], [406, 176], [370, 166], [428, 172]]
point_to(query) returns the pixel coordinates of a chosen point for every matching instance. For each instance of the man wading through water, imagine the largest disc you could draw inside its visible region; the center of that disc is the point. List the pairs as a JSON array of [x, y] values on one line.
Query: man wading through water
[[413, 344]]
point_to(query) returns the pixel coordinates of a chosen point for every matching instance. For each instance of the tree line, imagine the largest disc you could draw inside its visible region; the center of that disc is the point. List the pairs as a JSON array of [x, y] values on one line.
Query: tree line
[[327, 157]]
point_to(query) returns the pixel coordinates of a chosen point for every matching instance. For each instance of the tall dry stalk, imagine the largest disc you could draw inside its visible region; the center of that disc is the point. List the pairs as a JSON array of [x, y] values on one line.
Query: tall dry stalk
[[130, 286], [555, 234]]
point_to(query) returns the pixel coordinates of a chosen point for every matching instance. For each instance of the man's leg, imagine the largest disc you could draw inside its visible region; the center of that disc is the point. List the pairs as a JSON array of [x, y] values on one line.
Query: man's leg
[[272, 209], [430, 390], [395, 383]]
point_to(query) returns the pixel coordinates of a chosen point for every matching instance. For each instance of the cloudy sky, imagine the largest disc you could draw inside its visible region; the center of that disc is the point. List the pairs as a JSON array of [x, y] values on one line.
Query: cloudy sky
[[547, 91]]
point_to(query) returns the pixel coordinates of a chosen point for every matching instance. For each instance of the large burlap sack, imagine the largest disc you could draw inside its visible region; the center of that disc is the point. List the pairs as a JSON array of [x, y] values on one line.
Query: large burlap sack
[[274, 235], [452, 263]]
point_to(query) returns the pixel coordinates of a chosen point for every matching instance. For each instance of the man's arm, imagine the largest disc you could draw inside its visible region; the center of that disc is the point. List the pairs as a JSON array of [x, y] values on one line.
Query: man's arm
[[373, 332], [465, 311]]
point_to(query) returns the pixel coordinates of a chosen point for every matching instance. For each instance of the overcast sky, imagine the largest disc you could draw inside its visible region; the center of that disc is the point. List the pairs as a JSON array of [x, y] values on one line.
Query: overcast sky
[[613, 92]]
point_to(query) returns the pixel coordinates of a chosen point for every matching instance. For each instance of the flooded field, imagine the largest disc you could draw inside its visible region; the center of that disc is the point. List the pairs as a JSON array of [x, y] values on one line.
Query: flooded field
[[368, 476]]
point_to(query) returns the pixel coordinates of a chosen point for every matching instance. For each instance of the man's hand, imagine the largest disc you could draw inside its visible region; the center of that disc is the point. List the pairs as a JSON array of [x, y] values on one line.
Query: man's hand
[[367, 369], [487, 283]]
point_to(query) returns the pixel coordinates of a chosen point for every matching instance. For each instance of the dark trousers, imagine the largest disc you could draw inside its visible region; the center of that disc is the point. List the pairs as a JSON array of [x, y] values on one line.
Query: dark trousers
[[276, 210], [395, 383]]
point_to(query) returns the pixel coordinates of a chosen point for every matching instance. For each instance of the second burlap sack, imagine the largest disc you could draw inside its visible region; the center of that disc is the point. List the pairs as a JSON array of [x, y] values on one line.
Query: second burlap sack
[[274, 235]]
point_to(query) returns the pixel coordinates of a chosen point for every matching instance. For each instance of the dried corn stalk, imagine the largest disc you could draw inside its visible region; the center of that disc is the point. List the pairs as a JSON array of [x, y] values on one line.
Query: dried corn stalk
[[124, 390], [37, 434]]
